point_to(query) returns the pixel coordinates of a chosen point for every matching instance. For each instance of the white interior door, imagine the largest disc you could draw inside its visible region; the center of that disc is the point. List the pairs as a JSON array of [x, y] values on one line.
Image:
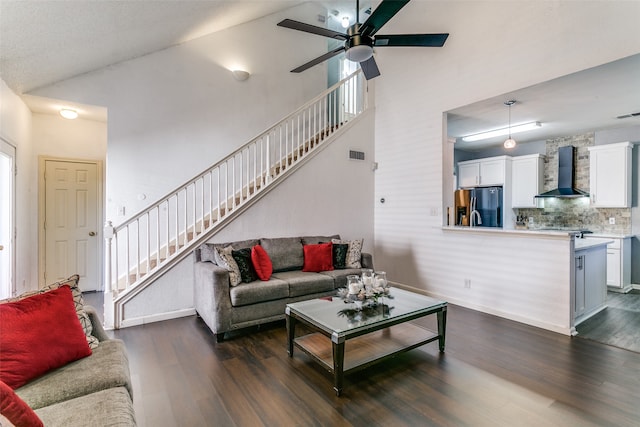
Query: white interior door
[[71, 222], [7, 219]]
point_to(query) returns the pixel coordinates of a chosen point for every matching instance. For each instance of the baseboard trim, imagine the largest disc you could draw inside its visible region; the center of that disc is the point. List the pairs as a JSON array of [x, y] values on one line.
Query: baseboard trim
[[136, 321]]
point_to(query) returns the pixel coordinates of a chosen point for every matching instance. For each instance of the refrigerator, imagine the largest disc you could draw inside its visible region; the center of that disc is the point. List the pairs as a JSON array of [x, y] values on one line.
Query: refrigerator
[[479, 207]]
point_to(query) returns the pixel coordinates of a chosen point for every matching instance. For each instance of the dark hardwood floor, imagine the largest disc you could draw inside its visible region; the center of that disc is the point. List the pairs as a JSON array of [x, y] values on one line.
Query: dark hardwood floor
[[494, 372]]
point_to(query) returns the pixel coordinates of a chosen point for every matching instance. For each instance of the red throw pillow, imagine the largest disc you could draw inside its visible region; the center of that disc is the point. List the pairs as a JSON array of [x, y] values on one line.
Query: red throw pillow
[[16, 410], [318, 257], [261, 262], [38, 334]]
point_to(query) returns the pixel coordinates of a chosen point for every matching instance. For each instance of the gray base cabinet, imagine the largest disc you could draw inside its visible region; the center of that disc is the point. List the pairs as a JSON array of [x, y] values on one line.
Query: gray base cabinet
[[590, 290]]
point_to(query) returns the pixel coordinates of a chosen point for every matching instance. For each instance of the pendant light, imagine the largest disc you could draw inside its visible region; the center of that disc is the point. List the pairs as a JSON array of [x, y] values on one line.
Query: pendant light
[[509, 142]]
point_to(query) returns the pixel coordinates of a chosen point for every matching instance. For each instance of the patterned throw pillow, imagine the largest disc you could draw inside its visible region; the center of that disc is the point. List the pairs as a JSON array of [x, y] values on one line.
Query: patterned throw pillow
[[354, 253], [224, 258], [242, 257], [340, 255], [72, 282]]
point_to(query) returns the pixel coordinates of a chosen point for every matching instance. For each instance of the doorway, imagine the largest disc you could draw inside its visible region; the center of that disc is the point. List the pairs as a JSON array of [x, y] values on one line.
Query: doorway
[[71, 221], [7, 219]]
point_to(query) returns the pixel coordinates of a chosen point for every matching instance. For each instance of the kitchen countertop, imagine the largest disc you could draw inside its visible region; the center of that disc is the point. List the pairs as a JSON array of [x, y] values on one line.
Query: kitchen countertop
[[590, 242]]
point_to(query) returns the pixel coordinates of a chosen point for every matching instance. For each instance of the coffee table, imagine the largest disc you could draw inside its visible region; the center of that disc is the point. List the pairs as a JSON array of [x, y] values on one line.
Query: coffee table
[[374, 334]]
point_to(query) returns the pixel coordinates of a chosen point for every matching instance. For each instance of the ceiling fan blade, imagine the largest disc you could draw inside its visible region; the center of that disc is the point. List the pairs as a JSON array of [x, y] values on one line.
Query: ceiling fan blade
[[318, 60], [370, 68], [380, 16], [428, 40], [301, 26]]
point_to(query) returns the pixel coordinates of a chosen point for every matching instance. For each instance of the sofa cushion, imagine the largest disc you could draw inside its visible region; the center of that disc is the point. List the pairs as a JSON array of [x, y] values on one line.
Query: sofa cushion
[[38, 334], [285, 253], [340, 276], [354, 253], [301, 283], [16, 411], [318, 257], [314, 240], [107, 367], [242, 257], [261, 262], [339, 255], [71, 282], [259, 291], [110, 407]]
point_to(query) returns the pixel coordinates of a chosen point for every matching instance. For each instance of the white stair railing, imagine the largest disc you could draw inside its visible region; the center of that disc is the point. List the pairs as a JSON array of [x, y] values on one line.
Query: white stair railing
[[145, 246]]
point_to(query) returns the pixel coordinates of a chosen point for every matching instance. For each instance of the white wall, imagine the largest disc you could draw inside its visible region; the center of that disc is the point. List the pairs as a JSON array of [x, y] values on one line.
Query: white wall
[[55, 136], [175, 112], [15, 127], [494, 47]]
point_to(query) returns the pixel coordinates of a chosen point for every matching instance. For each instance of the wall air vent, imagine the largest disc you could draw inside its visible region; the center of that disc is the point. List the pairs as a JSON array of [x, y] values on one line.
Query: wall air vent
[[356, 155], [626, 116]]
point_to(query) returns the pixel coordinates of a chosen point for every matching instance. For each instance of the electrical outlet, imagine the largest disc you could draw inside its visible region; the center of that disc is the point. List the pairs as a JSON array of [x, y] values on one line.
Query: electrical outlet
[[530, 220], [612, 220], [467, 283]]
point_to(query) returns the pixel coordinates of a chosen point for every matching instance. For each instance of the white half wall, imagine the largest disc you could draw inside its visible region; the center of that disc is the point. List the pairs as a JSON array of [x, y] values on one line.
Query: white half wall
[[494, 47]]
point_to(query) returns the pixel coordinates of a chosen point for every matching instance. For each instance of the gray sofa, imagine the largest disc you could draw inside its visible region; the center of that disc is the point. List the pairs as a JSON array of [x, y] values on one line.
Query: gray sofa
[[93, 391], [226, 308]]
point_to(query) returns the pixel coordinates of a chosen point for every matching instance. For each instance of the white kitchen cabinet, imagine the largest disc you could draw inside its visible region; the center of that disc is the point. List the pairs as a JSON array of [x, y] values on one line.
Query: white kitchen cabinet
[[527, 179], [483, 172], [610, 175], [590, 290], [619, 264]]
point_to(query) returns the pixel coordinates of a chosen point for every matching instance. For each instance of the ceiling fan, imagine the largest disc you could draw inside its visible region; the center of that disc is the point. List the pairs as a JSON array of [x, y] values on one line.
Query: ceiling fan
[[360, 39]]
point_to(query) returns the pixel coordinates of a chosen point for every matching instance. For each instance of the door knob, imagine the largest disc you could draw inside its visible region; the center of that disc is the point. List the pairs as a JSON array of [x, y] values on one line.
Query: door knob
[[92, 233], [1, 247]]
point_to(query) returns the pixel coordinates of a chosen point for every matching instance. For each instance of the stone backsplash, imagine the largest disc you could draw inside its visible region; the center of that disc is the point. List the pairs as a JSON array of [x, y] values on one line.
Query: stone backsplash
[[574, 213]]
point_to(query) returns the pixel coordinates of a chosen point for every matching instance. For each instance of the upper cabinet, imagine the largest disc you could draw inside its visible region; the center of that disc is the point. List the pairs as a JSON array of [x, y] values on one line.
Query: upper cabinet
[[482, 172], [527, 178], [610, 175]]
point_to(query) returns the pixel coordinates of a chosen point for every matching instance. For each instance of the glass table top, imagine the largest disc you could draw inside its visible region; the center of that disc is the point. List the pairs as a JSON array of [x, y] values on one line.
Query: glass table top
[[333, 314]]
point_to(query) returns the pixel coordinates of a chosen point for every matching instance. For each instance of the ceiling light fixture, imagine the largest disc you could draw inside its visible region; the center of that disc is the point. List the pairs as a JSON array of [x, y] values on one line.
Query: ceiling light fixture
[[502, 131], [510, 142], [68, 113], [240, 75], [345, 22]]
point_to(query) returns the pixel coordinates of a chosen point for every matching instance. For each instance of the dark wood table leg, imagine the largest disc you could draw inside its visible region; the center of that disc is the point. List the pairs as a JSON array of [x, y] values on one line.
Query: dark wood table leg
[[442, 327], [338, 366], [291, 329]]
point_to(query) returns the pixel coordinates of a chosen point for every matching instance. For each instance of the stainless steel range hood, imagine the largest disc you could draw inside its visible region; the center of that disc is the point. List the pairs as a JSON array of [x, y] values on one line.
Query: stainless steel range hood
[[566, 172]]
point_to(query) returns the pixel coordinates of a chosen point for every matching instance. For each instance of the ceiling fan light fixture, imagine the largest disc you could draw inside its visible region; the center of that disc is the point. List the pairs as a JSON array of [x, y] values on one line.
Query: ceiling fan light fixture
[[359, 53], [345, 22]]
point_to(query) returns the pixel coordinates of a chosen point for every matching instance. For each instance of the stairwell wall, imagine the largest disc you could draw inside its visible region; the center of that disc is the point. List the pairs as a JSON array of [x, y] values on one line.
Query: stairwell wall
[[330, 194]]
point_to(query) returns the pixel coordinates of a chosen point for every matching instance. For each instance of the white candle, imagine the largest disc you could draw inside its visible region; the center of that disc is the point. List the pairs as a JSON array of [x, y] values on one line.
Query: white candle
[[354, 288]]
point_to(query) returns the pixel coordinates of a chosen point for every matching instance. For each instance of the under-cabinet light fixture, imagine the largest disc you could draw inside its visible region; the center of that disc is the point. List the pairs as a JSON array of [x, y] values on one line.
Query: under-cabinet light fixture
[[502, 131]]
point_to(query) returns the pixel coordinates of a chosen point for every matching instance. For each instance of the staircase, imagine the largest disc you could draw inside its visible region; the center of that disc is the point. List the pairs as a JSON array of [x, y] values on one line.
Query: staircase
[[150, 243]]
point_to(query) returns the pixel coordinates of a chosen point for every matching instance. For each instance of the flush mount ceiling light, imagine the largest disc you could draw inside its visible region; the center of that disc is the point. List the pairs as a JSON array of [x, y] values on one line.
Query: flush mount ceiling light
[[510, 142], [68, 113], [240, 75], [502, 131]]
